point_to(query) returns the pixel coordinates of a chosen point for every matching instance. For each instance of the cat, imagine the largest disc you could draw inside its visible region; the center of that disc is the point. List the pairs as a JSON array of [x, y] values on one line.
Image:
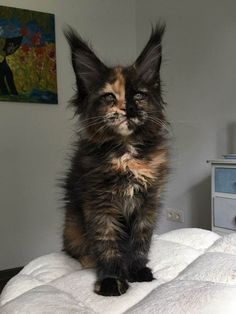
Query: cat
[[120, 164]]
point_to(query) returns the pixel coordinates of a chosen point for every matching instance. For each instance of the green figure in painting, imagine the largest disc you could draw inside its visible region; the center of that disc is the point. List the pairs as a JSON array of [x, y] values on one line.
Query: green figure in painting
[[8, 46]]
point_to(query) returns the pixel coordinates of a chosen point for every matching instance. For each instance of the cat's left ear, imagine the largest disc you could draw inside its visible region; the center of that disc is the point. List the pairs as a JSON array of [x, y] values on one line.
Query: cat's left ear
[[149, 62]]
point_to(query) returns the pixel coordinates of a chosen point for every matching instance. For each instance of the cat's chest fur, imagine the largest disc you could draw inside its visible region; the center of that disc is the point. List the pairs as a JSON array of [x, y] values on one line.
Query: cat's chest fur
[[140, 173]]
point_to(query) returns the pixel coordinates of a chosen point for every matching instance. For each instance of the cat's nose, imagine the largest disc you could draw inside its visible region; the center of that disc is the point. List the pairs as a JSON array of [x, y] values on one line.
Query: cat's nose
[[123, 108]]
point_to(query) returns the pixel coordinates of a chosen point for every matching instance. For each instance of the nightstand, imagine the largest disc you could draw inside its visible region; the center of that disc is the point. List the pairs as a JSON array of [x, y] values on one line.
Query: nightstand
[[223, 195]]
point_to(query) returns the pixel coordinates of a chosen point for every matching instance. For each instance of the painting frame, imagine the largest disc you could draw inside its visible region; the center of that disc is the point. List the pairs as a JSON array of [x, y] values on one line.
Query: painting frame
[[28, 69]]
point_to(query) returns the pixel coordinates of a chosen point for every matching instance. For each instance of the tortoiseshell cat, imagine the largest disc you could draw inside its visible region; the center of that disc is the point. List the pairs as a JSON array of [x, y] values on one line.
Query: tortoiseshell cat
[[119, 166]]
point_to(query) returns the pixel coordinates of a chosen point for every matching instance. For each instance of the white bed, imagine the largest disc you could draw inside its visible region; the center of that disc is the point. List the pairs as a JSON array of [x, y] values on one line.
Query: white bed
[[195, 272]]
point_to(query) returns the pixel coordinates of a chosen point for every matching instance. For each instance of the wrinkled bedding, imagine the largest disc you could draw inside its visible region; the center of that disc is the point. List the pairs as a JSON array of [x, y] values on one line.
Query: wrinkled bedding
[[195, 272]]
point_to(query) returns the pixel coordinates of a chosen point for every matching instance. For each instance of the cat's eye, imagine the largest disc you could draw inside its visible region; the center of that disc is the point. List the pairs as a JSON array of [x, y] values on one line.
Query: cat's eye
[[109, 97], [139, 96]]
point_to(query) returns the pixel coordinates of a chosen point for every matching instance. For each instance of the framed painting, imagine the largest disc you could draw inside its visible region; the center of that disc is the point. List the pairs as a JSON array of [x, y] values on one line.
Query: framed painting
[[27, 56]]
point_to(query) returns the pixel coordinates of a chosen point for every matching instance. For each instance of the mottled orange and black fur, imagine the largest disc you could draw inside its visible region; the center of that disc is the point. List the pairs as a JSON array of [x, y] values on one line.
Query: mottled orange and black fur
[[112, 190]]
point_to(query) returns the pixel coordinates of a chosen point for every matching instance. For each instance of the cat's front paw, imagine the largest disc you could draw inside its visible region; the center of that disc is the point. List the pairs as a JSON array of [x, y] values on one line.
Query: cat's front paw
[[143, 274], [111, 286]]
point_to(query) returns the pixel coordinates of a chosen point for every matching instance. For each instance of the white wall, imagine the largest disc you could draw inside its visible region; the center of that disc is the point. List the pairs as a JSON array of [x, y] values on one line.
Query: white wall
[[34, 138], [199, 73]]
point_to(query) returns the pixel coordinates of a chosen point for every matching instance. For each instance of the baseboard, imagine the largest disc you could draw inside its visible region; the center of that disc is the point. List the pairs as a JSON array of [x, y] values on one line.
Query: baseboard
[[7, 274]]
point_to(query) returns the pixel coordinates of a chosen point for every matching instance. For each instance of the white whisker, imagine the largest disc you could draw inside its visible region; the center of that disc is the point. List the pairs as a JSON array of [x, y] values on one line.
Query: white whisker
[[88, 125]]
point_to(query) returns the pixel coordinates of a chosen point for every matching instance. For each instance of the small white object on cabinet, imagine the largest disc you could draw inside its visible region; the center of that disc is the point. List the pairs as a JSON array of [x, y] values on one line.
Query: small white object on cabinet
[[223, 195]]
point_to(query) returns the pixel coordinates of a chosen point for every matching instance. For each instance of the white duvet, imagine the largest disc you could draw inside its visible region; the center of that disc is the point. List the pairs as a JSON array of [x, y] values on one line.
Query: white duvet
[[195, 272]]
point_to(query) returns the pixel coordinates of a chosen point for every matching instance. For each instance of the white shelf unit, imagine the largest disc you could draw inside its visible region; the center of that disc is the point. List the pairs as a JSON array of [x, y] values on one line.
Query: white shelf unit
[[223, 196]]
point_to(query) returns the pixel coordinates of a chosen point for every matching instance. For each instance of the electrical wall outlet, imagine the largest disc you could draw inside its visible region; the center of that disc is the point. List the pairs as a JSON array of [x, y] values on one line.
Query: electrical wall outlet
[[176, 215]]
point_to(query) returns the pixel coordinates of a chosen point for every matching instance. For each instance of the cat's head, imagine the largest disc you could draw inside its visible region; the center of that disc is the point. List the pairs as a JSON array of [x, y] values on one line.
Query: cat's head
[[118, 101]]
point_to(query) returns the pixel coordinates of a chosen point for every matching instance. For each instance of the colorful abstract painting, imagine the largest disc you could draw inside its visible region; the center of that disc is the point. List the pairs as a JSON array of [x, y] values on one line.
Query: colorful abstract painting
[[27, 56]]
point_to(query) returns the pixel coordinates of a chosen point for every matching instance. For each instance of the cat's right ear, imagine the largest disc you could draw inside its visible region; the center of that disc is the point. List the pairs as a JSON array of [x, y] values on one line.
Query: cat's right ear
[[88, 68]]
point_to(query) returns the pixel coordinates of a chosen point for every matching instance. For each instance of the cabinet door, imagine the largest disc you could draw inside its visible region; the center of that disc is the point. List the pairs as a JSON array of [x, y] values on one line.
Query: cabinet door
[[225, 180], [224, 214]]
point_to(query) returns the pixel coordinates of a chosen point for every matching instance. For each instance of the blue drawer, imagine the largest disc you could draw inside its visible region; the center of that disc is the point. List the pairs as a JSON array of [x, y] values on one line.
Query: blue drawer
[[225, 180]]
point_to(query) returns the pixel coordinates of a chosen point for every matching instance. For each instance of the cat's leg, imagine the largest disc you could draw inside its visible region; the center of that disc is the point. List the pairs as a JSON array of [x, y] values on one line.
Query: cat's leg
[[140, 240], [106, 232], [138, 271], [75, 242]]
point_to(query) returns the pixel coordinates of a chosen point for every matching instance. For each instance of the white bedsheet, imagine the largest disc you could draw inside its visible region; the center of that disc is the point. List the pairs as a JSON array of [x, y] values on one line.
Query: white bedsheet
[[195, 272]]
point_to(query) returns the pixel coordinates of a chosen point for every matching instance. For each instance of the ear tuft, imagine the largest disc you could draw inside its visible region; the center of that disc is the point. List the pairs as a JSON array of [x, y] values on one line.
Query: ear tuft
[[149, 62], [88, 68]]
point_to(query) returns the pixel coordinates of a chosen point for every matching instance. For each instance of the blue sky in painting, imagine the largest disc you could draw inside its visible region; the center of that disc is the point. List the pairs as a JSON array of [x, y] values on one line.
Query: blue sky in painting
[[13, 28]]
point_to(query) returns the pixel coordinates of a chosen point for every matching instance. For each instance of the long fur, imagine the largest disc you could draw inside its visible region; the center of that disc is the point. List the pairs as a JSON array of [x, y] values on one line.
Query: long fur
[[113, 187]]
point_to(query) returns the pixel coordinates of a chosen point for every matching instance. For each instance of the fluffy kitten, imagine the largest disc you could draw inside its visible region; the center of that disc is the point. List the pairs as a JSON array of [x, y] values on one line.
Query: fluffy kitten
[[112, 189]]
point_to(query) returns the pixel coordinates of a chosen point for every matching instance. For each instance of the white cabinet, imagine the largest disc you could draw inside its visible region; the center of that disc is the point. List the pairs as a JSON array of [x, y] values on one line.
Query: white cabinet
[[223, 196]]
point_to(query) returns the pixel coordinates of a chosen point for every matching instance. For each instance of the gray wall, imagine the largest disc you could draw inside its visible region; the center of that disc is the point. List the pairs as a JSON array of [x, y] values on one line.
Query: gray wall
[[34, 138], [199, 74]]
